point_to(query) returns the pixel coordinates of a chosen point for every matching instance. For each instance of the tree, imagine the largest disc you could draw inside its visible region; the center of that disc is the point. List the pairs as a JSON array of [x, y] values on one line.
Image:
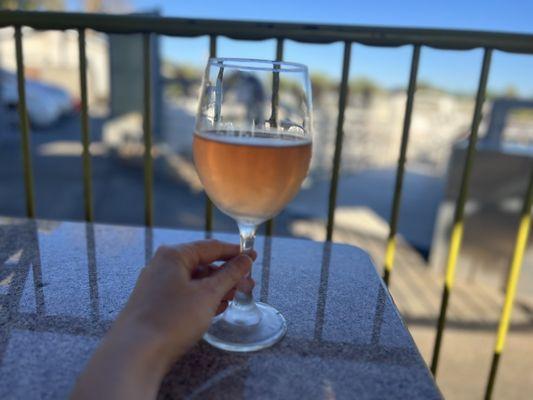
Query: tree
[[321, 83], [35, 5], [365, 88], [106, 6], [510, 91]]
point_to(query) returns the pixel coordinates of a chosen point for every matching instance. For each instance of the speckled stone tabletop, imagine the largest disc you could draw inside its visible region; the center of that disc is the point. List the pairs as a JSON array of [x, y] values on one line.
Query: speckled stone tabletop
[[63, 283]]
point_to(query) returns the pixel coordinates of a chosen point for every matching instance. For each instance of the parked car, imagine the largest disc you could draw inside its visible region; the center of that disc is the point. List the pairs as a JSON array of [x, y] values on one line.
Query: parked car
[[46, 103]]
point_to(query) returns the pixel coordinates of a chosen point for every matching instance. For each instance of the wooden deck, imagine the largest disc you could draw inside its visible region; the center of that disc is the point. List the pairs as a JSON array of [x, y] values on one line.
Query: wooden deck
[[417, 288]]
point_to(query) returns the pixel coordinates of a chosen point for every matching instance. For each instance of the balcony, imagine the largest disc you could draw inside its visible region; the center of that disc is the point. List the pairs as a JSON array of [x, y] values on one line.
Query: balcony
[[430, 300]]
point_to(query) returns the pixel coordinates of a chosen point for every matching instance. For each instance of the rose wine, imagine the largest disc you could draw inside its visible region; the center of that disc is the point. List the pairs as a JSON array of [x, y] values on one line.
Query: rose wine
[[251, 177]]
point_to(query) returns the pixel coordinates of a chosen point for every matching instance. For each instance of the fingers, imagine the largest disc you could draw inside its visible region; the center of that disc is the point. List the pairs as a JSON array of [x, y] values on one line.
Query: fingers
[[229, 295], [222, 307], [246, 285], [200, 252], [203, 271], [222, 281]]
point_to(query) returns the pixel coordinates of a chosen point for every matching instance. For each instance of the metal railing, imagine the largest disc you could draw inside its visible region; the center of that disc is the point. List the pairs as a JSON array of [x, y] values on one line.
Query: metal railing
[[308, 33]]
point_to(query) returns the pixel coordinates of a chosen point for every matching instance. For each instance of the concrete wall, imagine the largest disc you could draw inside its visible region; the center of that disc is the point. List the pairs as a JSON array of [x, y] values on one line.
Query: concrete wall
[[497, 187], [126, 70]]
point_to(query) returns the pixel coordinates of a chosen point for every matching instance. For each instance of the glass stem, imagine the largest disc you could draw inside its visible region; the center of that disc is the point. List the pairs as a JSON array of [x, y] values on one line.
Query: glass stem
[[243, 296], [242, 310]]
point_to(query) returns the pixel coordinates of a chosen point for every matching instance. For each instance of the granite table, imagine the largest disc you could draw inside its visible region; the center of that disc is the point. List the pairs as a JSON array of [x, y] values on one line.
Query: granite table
[[63, 283]]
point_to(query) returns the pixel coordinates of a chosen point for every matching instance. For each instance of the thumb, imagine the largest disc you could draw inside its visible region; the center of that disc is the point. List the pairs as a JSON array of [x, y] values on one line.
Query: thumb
[[230, 274]]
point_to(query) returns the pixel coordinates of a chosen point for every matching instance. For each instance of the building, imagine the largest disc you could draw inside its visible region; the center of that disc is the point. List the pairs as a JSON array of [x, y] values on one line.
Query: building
[[52, 56]]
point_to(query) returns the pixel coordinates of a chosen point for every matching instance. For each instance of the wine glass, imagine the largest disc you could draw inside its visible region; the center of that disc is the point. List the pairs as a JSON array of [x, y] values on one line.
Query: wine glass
[[252, 149]]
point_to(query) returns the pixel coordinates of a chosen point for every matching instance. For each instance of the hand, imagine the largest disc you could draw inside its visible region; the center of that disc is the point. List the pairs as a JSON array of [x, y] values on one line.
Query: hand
[[170, 308], [180, 291]]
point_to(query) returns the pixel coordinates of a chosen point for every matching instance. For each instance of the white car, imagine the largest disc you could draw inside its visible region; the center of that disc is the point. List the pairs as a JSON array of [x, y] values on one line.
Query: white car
[[45, 103]]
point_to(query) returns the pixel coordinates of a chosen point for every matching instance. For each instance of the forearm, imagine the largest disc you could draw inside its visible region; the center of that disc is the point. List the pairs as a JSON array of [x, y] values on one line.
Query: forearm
[[128, 364], [166, 314]]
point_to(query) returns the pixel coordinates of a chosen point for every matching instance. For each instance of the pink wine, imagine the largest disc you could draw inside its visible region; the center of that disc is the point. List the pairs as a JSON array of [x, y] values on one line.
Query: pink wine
[[251, 178]]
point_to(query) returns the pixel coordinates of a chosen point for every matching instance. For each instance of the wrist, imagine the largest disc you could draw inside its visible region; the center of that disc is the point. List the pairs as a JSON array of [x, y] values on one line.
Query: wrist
[[128, 363], [141, 345]]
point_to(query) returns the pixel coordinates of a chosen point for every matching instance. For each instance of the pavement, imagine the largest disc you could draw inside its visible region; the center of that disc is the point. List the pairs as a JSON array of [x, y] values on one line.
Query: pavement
[[118, 187], [374, 188]]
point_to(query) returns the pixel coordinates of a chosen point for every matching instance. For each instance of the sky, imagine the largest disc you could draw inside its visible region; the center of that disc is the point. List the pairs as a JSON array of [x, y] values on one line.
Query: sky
[[453, 70]]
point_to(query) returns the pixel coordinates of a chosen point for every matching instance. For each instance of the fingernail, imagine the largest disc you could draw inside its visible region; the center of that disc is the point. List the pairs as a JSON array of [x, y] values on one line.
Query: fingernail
[[246, 285], [252, 254], [243, 261]]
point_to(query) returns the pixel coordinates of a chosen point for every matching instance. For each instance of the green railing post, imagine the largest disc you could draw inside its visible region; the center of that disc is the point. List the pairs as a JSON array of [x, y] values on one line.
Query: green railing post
[[457, 229], [85, 132], [147, 130], [395, 211], [269, 226], [208, 203], [24, 126], [343, 99], [516, 265]]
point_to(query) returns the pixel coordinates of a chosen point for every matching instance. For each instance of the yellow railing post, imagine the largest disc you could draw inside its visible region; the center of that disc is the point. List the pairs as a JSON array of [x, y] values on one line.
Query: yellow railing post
[[395, 211], [457, 229], [516, 265]]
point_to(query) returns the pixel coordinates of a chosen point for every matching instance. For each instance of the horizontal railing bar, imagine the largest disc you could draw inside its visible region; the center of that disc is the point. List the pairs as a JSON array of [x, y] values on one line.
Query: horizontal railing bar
[[251, 30]]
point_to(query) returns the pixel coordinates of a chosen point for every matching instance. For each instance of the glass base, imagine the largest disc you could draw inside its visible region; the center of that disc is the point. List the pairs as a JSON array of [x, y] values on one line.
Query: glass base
[[228, 332]]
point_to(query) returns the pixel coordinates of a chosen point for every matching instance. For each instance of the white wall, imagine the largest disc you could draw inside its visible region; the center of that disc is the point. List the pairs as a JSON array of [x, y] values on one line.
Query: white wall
[[52, 56]]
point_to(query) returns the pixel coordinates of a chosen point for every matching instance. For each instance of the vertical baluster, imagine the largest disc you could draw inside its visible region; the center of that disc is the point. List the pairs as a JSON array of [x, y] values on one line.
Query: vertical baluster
[[395, 211], [516, 265], [85, 132], [208, 203], [147, 130], [24, 126], [457, 229], [269, 227], [343, 98]]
